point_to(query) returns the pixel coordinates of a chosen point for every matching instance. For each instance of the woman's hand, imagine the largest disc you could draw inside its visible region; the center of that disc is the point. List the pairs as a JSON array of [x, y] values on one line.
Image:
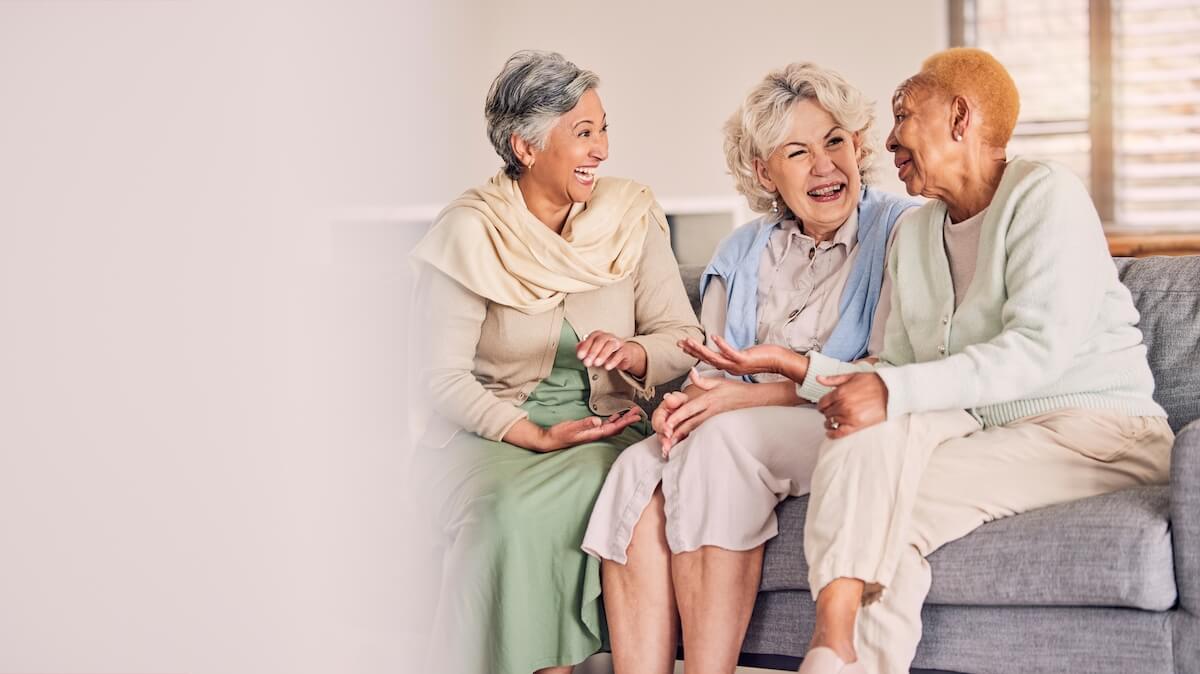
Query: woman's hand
[[566, 434], [606, 350], [764, 358], [670, 402], [589, 429], [681, 413], [858, 401]]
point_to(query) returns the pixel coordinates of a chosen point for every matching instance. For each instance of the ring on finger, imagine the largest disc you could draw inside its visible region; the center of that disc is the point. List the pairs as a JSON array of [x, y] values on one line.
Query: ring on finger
[[834, 424]]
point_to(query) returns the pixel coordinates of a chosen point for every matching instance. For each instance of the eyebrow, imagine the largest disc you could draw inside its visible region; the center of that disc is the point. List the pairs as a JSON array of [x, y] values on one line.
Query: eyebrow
[[588, 121], [827, 134]]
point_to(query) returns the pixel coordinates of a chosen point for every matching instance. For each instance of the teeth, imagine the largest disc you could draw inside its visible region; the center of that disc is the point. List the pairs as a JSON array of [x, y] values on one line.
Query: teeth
[[825, 190], [586, 171]]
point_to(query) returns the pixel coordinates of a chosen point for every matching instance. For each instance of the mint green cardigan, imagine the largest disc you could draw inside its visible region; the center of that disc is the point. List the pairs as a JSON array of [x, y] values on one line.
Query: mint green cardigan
[[1046, 323]]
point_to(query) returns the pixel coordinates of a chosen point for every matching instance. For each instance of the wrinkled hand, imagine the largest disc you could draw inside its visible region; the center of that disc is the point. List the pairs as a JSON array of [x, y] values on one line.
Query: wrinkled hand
[[606, 350], [759, 359], [858, 401], [589, 429], [670, 403], [715, 395]]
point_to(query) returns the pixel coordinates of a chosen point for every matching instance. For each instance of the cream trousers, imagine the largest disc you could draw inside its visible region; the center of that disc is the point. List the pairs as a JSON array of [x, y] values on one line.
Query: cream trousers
[[887, 496]]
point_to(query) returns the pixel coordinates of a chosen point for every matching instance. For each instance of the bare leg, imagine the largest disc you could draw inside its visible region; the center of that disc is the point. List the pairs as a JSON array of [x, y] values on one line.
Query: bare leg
[[837, 609], [716, 589], [639, 600]]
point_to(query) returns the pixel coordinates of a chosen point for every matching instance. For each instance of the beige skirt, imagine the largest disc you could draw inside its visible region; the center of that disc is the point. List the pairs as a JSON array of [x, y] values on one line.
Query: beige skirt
[[721, 484]]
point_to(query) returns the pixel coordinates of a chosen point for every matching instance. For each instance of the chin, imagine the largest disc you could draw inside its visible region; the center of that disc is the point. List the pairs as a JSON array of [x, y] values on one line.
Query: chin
[[580, 194]]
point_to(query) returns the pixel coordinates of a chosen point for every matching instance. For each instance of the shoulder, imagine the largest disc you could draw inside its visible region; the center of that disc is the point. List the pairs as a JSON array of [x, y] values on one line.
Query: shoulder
[[907, 217], [630, 194], [1033, 192], [889, 202], [738, 241], [1040, 178]]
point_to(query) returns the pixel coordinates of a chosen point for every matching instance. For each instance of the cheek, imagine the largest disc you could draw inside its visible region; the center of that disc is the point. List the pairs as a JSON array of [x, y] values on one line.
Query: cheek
[[847, 162]]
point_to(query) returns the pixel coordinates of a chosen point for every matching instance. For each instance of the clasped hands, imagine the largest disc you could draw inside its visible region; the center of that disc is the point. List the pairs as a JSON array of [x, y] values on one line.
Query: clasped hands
[[858, 400]]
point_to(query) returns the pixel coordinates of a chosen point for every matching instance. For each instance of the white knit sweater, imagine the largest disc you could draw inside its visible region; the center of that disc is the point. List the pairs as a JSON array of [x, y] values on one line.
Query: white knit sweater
[[1046, 323]]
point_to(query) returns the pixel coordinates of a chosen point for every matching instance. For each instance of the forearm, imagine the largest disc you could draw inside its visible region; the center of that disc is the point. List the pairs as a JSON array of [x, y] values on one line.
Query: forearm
[[525, 434], [772, 394]]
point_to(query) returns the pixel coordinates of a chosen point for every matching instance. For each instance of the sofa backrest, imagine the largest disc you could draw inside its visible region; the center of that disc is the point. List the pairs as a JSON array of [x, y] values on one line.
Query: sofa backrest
[[1166, 291]]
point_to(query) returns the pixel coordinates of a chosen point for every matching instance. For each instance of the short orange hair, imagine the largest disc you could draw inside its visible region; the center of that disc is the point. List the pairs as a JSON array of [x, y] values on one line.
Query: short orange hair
[[977, 76]]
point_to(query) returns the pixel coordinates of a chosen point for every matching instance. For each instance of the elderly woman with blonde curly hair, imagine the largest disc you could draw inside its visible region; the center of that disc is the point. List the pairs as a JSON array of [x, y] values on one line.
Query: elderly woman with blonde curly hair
[[681, 521], [1012, 375]]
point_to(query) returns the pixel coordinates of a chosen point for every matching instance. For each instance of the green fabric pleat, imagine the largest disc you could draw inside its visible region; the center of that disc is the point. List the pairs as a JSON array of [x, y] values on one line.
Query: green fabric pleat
[[518, 594]]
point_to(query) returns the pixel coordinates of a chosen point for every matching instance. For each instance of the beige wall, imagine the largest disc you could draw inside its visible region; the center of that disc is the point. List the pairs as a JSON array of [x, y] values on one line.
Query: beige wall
[[671, 73], [202, 452]]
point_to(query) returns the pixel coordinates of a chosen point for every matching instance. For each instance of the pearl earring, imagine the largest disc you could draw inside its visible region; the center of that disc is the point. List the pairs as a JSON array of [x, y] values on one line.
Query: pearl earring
[[774, 206], [958, 137]]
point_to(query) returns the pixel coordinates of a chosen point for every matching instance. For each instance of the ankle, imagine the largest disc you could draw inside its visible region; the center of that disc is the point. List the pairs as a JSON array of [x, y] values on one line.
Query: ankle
[[843, 647]]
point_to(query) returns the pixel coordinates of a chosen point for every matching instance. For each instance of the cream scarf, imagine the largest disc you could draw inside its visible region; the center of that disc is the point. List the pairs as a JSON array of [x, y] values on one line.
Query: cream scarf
[[488, 241]]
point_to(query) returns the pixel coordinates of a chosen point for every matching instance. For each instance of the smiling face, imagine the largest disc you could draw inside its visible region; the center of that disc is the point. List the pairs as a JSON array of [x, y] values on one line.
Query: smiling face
[[815, 170], [921, 139], [565, 170]]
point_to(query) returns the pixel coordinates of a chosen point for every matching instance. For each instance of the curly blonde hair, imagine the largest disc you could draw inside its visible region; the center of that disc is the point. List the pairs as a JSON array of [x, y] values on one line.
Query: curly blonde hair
[[762, 122]]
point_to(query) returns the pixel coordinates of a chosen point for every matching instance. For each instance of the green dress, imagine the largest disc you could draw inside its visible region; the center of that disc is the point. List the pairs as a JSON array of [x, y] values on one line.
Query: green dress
[[517, 592]]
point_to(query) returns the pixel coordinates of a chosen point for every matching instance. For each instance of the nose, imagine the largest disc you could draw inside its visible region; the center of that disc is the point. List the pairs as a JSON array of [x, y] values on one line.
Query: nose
[[600, 147], [822, 164], [891, 144]]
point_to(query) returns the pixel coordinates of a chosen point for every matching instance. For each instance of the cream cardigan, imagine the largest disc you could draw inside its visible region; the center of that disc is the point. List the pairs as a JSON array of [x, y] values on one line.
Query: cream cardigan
[[1046, 323]]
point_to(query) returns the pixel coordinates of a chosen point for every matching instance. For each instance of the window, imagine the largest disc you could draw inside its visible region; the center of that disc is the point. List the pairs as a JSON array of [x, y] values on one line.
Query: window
[[1110, 88]]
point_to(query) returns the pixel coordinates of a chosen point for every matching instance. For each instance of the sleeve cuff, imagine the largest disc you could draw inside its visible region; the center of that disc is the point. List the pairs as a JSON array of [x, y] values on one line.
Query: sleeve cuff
[[820, 365], [500, 421], [640, 387], [899, 398]]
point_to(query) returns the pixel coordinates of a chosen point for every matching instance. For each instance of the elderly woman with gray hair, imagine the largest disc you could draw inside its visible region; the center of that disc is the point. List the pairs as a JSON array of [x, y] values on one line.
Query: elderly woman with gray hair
[[683, 517], [550, 297]]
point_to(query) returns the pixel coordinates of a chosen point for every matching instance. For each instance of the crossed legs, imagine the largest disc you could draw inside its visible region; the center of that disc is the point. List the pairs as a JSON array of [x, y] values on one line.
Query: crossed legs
[[886, 497]]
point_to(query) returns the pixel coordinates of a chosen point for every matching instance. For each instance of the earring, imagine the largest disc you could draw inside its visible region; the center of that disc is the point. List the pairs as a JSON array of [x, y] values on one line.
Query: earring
[[958, 137], [774, 206], [529, 165]]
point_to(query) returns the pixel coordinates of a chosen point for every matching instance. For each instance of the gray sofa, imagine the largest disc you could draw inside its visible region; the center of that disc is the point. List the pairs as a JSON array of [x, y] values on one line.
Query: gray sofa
[[1106, 584]]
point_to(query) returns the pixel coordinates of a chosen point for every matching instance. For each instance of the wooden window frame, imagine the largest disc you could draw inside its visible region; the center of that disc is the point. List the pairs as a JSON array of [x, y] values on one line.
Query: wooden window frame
[[961, 14]]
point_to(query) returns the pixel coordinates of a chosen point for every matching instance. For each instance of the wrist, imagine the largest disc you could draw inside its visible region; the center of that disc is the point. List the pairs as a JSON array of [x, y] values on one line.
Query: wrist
[[794, 367], [638, 355], [542, 441]]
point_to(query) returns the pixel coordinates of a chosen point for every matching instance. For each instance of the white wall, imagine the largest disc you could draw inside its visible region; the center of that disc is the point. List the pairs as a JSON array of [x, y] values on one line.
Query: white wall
[[671, 73], [201, 399]]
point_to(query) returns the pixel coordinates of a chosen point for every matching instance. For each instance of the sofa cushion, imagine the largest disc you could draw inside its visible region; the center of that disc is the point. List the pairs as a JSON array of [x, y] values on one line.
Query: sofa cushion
[[1110, 550], [1166, 291]]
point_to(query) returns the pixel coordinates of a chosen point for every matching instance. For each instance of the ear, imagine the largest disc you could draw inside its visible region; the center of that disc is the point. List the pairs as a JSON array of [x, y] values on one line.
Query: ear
[[960, 117], [856, 139], [524, 150], [764, 176]]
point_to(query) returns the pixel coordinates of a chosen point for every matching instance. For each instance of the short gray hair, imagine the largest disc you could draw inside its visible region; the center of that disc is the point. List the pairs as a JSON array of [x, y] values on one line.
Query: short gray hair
[[762, 123], [533, 90]]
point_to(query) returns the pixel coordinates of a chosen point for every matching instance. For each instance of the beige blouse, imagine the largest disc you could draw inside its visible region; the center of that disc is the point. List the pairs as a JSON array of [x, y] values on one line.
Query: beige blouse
[[800, 285], [481, 360], [961, 241]]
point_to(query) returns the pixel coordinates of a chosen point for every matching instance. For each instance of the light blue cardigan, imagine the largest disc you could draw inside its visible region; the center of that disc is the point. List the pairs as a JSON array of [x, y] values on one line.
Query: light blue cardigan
[[738, 257]]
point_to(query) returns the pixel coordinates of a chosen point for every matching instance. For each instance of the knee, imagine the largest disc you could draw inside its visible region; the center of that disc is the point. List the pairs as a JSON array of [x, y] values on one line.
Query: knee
[[719, 440], [862, 446]]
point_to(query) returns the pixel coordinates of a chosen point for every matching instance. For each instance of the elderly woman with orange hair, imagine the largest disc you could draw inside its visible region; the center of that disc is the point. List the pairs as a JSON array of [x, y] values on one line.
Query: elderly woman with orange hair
[[1012, 374]]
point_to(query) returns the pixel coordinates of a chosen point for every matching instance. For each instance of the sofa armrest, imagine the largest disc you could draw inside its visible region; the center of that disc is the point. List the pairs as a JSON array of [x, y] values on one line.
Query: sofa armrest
[[1185, 515]]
